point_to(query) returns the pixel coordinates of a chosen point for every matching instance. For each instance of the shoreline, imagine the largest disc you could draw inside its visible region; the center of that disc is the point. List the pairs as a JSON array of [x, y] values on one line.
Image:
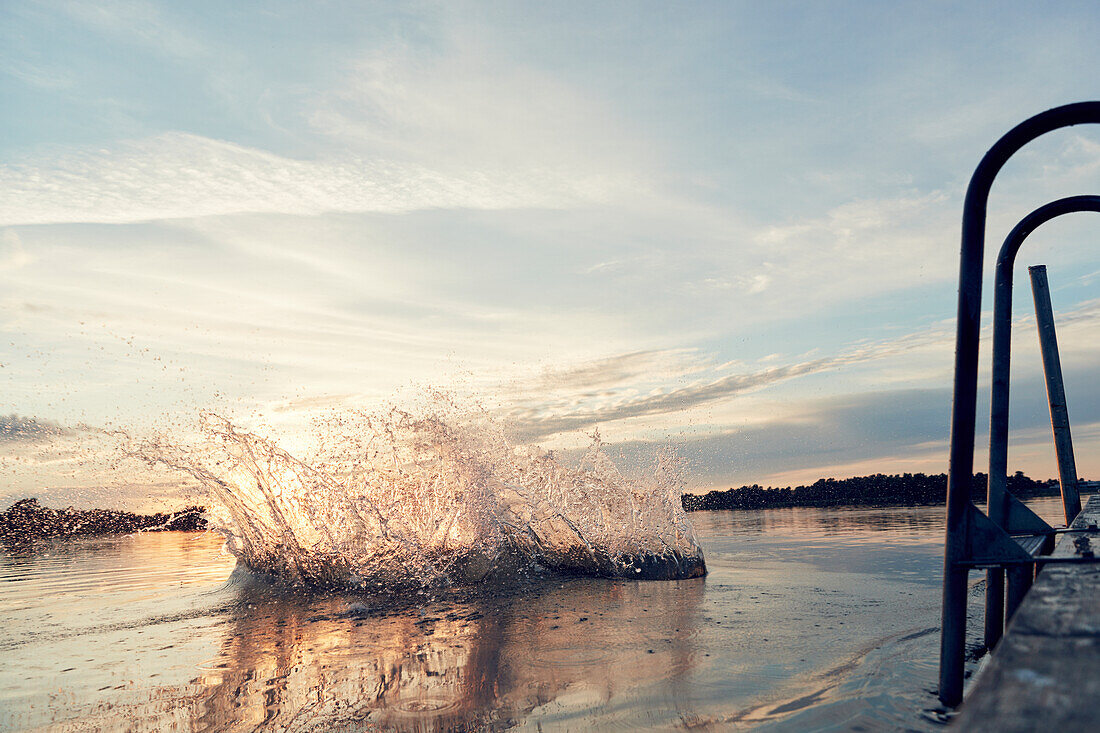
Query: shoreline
[[26, 521], [877, 490]]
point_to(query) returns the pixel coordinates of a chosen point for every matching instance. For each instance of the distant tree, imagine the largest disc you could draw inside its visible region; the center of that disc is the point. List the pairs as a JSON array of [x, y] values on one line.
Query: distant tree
[[875, 490]]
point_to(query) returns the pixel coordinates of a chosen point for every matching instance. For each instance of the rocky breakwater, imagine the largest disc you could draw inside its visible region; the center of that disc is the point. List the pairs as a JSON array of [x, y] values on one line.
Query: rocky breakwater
[[27, 520]]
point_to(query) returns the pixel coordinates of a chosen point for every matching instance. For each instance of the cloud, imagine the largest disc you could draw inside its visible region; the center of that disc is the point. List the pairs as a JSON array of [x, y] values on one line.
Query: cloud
[[613, 389], [307, 404], [36, 75], [821, 433], [613, 371], [899, 239], [400, 128], [459, 102], [576, 412], [137, 22], [16, 429], [887, 431], [12, 254], [534, 424], [178, 175]]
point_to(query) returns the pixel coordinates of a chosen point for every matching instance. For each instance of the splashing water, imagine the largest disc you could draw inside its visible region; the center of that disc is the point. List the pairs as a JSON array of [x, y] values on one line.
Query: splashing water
[[395, 501]]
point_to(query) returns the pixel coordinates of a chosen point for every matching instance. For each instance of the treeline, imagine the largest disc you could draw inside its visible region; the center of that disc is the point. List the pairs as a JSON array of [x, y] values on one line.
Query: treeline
[[28, 520], [877, 490]]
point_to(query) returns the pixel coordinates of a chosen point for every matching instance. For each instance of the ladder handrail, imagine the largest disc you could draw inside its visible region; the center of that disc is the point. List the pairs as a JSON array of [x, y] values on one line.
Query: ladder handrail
[[996, 488], [964, 403], [1002, 341]]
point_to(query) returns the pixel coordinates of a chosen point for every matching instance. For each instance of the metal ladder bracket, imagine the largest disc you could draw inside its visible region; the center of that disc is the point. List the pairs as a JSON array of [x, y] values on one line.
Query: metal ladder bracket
[[1019, 519], [988, 544]]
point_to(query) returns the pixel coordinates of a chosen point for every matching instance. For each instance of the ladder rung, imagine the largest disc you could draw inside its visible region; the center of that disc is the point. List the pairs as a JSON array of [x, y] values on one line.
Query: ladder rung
[[1032, 544]]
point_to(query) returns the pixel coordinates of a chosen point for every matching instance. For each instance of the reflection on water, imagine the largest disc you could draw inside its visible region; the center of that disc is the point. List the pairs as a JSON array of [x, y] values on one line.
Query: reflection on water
[[810, 618], [900, 523], [293, 661], [293, 664]]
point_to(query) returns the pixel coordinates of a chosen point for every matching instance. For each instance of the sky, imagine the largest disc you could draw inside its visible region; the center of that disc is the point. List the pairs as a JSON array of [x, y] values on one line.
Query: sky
[[730, 227]]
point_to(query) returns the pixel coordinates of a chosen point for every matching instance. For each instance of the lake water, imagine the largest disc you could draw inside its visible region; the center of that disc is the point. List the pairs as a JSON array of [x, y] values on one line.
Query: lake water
[[810, 619]]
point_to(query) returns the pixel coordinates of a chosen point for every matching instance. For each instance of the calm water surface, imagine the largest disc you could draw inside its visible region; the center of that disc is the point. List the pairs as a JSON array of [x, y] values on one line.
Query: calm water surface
[[810, 619]]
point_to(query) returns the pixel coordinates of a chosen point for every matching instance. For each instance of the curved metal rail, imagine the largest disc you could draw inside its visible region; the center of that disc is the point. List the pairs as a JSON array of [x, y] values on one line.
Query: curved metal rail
[[998, 499], [964, 528]]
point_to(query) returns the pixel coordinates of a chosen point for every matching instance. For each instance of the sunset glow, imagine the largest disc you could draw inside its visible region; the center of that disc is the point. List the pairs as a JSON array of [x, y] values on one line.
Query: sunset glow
[[733, 229]]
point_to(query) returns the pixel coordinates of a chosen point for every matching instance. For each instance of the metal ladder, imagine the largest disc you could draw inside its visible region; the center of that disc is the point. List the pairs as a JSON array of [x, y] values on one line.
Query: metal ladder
[[1011, 539]]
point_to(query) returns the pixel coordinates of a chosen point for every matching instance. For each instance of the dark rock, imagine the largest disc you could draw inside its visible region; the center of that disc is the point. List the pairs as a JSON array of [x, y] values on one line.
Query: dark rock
[[26, 520]]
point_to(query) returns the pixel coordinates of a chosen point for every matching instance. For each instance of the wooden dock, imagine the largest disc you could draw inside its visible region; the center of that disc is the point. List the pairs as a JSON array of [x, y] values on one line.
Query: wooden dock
[[1045, 672]]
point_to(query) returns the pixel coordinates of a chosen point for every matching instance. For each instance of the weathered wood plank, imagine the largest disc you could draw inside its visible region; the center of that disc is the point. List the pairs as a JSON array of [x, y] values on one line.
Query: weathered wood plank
[[1045, 673]]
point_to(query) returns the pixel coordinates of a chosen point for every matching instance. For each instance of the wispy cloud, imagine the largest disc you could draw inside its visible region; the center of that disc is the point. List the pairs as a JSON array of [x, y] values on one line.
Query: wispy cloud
[[888, 431], [37, 75], [616, 370], [16, 429], [401, 128], [815, 435], [614, 403], [898, 239], [458, 103], [307, 404], [13, 256], [177, 175], [136, 22]]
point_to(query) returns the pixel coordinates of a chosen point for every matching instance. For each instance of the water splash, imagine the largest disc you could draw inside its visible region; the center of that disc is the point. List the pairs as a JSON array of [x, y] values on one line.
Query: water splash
[[398, 501]]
